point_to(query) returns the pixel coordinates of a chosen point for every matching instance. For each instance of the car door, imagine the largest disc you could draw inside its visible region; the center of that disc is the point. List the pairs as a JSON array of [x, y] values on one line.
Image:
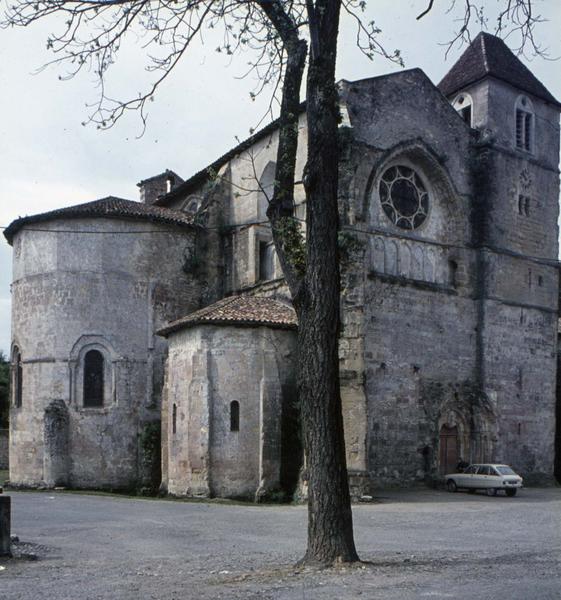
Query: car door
[[482, 478], [495, 480], [465, 479]]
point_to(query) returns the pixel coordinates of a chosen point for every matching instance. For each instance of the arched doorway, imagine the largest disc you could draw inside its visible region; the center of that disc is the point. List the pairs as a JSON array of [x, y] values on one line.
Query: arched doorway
[[448, 449]]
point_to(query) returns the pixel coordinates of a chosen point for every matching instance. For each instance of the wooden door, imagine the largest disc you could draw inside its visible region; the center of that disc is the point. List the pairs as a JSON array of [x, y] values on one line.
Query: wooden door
[[448, 454]]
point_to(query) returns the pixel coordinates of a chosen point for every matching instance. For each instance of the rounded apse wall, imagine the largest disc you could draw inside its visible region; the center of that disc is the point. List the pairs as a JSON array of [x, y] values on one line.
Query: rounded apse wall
[[83, 286]]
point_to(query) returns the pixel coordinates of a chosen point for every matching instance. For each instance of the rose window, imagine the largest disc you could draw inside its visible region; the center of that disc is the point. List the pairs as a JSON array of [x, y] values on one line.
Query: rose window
[[404, 197]]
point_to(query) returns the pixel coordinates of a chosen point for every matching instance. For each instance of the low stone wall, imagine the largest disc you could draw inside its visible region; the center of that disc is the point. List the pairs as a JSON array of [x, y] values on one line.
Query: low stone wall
[[3, 448]]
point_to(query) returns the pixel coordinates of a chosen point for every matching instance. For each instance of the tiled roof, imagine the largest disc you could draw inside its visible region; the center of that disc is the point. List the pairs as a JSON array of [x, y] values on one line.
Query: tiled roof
[[239, 310], [489, 56], [106, 207]]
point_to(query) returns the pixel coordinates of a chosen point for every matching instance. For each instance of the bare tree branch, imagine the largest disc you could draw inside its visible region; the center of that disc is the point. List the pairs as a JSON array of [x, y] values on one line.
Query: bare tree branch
[[92, 32], [512, 18], [426, 11], [287, 236]]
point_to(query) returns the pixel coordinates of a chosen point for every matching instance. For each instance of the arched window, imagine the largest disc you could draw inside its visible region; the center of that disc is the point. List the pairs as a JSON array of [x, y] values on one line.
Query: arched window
[[266, 261], [464, 106], [524, 120], [94, 373], [17, 377], [234, 416], [266, 188], [93, 378]]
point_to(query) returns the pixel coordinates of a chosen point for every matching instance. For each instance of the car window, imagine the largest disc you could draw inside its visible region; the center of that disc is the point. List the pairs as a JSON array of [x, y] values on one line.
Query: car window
[[504, 470], [483, 470], [471, 469], [493, 471]]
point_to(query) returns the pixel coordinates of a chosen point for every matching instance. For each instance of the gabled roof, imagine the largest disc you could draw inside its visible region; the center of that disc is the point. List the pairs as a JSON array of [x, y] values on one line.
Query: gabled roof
[[238, 310], [489, 56], [106, 207], [204, 175]]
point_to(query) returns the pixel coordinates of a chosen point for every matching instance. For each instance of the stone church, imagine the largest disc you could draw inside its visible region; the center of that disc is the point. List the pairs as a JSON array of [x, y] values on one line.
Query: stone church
[[154, 341]]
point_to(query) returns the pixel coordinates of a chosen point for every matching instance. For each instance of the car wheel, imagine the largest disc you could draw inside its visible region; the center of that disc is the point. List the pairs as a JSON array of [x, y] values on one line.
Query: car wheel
[[451, 486], [491, 492], [510, 493]]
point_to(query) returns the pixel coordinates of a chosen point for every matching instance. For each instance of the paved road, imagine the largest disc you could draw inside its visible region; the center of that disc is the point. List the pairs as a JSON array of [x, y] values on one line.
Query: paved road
[[421, 544]]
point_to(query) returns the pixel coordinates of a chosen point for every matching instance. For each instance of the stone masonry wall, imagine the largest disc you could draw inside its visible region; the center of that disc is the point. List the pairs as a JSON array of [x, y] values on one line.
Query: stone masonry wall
[[441, 333], [430, 332], [4, 449], [107, 291], [237, 200], [408, 315], [519, 278], [520, 379], [209, 367]]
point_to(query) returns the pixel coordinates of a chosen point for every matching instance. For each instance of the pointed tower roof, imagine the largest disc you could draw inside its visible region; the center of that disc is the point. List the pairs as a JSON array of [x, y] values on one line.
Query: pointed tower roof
[[489, 56]]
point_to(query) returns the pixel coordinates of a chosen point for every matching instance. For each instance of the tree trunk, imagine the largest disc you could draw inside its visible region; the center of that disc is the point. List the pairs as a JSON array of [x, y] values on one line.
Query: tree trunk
[[286, 231], [330, 528], [315, 286]]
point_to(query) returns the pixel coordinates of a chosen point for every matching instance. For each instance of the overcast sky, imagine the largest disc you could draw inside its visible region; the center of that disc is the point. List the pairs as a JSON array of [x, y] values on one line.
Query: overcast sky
[[48, 159]]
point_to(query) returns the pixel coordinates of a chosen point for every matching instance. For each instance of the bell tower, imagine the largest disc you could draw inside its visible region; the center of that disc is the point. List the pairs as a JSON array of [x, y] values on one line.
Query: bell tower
[[517, 155], [515, 206]]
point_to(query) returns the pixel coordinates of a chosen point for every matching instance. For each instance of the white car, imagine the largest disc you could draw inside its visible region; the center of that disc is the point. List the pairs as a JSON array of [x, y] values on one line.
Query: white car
[[491, 478]]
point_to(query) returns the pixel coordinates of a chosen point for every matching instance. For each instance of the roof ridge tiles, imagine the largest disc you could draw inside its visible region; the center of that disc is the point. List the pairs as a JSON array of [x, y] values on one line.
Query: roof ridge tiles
[[238, 310], [484, 52], [110, 206]]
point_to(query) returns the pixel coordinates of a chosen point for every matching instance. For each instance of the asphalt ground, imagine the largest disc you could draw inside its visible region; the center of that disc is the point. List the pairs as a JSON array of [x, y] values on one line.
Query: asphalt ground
[[415, 544]]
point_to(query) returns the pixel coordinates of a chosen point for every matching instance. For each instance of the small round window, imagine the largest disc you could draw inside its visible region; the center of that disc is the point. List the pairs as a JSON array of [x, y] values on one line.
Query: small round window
[[404, 197]]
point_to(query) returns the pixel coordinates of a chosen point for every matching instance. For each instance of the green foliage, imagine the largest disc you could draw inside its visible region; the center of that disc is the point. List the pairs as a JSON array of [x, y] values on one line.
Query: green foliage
[[4, 391], [150, 451], [288, 229], [348, 244], [150, 437]]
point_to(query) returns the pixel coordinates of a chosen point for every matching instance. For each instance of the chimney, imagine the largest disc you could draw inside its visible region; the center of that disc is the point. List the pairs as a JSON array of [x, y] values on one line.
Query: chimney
[[159, 185]]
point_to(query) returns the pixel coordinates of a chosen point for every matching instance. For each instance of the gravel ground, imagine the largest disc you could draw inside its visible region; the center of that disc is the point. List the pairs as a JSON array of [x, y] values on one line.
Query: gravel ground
[[417, 544]]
